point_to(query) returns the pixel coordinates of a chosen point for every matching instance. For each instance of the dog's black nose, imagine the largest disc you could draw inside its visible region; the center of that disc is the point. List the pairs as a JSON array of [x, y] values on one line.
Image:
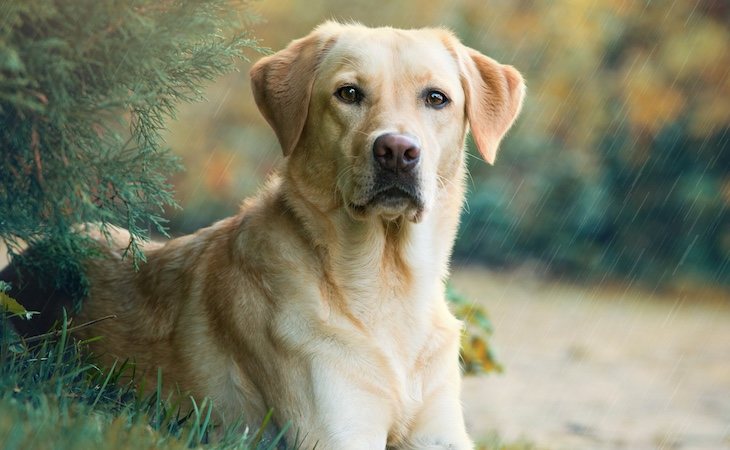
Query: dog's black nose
[[396, 152]]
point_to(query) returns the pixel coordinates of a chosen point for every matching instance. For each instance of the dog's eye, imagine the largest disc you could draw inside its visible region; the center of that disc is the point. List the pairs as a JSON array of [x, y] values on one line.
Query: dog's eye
[[349, 94], [436, 99]]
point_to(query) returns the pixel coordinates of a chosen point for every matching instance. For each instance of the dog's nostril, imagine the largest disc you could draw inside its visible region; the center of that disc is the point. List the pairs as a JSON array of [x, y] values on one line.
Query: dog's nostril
[[412, 153], [382, 151], [396, 152]]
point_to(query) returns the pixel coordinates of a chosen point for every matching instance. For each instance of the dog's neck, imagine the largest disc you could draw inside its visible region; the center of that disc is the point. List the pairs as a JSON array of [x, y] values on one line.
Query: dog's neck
[[357, 251]]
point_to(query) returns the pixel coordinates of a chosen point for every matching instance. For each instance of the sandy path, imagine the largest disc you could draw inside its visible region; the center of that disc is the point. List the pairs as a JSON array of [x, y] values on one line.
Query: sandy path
[[599, 369]]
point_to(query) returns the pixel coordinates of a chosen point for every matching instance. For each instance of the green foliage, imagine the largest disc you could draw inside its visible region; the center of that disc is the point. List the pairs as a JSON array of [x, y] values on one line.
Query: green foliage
[[657, 230], [619, 166], [52, 396], [85, 89]]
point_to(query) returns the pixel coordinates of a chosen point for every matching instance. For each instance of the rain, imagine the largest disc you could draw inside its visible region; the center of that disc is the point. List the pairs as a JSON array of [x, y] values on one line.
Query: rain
[[597, 246], [598, 243]]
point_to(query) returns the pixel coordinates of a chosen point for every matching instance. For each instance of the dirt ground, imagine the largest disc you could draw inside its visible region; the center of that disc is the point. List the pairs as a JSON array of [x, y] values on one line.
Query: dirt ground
[[601, 368]]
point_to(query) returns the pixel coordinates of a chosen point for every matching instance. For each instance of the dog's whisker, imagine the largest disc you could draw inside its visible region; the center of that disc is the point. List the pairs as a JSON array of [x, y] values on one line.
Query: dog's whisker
[[443, 181]]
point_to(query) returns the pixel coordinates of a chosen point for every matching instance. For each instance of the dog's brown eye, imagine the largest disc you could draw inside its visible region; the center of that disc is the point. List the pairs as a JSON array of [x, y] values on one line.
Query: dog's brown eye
[[436, 99], [349, 94]]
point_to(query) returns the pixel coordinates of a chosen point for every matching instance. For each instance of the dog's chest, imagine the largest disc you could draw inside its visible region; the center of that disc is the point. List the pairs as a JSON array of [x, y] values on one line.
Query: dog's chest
[[405, 382], [399, 339], [389, 300]]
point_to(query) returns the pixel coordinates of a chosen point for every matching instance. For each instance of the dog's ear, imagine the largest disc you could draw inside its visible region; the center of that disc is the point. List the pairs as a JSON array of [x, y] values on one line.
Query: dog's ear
[[282, 86], [494, 94]]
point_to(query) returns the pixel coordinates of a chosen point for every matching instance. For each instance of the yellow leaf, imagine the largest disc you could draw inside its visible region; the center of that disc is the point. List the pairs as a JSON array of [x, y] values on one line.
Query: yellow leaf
[[12, 306]]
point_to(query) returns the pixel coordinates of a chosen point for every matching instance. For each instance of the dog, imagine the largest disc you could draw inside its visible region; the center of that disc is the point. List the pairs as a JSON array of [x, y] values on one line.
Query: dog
[[323, 299]]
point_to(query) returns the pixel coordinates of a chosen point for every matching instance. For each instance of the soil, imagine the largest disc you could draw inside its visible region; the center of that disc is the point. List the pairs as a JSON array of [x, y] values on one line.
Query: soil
[[601, 368]]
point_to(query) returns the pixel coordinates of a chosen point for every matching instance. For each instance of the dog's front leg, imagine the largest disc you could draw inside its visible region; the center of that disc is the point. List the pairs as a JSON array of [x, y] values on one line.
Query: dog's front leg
[[439, 424], [346, 415]]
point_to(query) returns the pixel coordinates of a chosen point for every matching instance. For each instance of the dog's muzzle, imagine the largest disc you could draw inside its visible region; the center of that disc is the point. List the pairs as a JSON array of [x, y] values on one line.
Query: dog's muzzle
[[395, 190]]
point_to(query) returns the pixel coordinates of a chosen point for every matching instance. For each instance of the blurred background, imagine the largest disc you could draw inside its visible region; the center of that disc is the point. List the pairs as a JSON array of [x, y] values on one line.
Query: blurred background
[[618, 167], [599, 241]]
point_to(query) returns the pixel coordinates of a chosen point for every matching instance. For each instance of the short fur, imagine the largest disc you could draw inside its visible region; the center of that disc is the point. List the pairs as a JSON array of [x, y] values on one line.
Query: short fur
[[316, 300]]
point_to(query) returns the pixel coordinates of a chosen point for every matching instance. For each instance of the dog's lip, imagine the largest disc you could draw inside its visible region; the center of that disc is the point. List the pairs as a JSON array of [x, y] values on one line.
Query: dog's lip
[[386, 193], [392, 192], [398, 199]]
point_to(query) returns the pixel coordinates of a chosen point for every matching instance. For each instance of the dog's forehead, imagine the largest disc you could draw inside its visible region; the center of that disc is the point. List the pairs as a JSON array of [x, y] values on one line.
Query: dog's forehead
[[405, 52]]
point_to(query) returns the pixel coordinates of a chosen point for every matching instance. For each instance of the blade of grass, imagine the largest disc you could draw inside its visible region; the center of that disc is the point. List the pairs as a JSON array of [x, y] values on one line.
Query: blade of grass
[[57, 333], [194, 427], [158, 397], [206, 422], [103, 385], [61, 346], [279, 437], [260, 433]]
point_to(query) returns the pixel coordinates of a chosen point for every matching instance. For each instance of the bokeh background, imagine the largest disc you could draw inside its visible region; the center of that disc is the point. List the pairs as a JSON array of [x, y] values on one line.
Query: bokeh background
[[599, 241], [618, 166]]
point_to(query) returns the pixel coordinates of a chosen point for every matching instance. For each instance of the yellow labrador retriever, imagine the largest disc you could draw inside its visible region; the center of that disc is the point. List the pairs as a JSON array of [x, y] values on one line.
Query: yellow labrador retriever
[[323, 299]]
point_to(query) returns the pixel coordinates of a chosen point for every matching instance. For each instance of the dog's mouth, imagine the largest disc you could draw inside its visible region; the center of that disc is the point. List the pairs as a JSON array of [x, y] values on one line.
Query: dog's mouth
[[390, 202]]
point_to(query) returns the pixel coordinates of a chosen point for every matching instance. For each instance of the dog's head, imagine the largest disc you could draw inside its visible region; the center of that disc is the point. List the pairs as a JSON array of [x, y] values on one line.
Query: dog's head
[[374, 119]]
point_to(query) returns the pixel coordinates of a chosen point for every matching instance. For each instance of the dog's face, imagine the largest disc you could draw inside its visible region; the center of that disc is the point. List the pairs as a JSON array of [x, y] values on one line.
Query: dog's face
[[392, 115], [374, 119]]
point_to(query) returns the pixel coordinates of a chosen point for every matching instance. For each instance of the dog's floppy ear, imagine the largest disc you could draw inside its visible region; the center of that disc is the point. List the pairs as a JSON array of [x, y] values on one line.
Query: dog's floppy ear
[[282, 86], [494, 94]]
